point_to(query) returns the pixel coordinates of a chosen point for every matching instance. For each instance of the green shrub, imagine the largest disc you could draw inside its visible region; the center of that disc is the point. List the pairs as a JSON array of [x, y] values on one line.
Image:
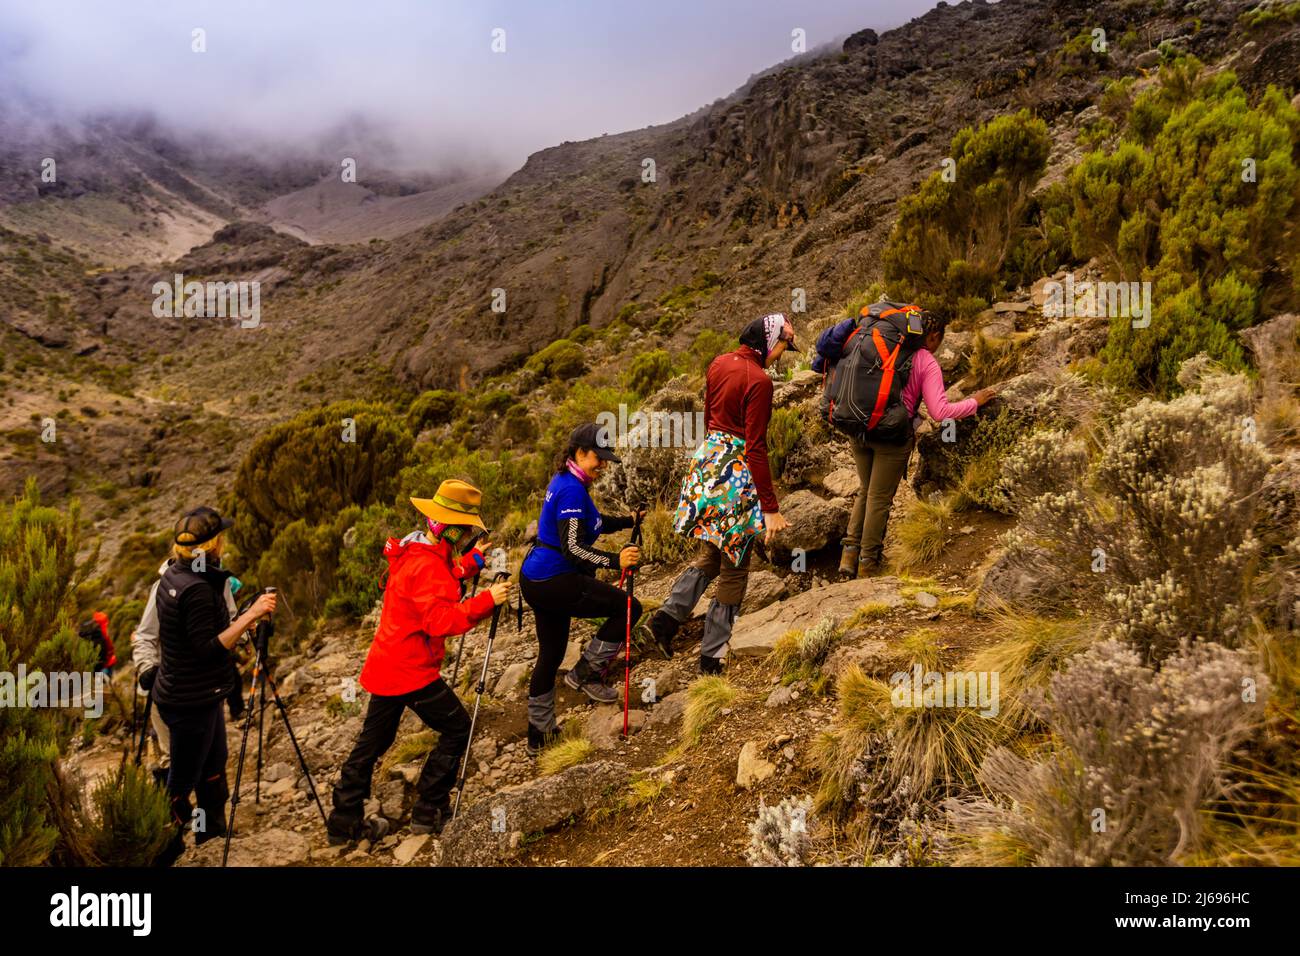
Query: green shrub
[[494, 401], [301, 562], [508, 481], [561, 359], [132, 823], [648, 371], [38, 571], [303, 469], [519, 428], [432, 408], [783, 433], [708, 345], [1174, 205], [953, 239], [361, 561]]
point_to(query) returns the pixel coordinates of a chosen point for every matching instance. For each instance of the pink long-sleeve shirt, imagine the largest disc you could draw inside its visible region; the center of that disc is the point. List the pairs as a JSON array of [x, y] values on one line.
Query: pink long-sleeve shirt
[[926, 382]]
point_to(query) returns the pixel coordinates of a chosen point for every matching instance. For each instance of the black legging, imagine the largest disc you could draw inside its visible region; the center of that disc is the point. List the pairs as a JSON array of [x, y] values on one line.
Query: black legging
[[198, 765], [555, 603]]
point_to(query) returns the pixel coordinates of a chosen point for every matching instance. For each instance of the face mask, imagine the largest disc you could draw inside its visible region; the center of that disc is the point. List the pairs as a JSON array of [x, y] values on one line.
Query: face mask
[[456, 535]]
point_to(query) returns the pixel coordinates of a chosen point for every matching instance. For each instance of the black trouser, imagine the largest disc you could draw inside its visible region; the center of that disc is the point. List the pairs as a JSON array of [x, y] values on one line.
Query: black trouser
[[555, 603], [198, 765], [440, 710]]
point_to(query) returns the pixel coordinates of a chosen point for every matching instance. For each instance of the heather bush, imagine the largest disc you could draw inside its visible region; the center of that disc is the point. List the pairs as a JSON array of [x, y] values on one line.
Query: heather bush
[[433, 408], [361, 561], [1135, 753], [131, 822], [952, 240], [649, 370], [708, 345], [313, 466], [38, 613], [783, 433], [561, 359], [779, 835], [1198, 200], [1157, 521]]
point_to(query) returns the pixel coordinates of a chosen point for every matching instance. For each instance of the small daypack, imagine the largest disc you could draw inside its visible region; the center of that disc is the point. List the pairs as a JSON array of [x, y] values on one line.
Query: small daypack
[[863, 392]]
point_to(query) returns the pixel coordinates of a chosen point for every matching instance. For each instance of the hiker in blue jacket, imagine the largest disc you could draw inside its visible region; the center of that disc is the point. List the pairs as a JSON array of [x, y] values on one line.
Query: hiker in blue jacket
[[558, 580]]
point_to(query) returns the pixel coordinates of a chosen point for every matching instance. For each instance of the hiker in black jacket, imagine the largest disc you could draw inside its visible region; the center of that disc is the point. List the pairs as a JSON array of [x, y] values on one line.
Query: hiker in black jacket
[[195, 676]]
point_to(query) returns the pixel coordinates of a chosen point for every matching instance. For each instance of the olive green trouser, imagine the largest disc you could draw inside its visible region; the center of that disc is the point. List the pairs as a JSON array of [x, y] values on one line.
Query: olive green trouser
[[880, 468]]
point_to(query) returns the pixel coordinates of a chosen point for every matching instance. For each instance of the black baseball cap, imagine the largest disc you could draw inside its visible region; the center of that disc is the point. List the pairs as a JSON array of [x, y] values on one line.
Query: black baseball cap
[[595, 438], [199, 525]]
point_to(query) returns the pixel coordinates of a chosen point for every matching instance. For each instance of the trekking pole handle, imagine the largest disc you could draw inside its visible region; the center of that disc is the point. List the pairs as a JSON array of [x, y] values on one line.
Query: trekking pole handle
[[638, 513]]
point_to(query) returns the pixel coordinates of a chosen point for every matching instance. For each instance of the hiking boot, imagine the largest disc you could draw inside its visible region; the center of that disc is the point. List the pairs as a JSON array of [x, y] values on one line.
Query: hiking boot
[[710, 665], [581, 678], [429, 821], [373, 829], [848, 562], [539, 740], [663, 627], [868, 569]]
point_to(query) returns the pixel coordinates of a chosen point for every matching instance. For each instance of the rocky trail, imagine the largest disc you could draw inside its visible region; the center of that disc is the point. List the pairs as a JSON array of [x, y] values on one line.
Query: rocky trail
[[644, 801], [651, 799]]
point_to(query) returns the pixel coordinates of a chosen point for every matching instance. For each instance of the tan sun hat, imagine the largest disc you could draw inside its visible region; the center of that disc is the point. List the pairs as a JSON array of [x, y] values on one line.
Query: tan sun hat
[[456, 502]]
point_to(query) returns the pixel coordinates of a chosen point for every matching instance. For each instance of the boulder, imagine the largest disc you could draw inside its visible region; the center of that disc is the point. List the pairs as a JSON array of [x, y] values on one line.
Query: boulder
[[1010, 307], [754, 635], [863, 38], [668, 709], [604, 727], [537, 805], [779, 697], [763, 588], [876, 658], [507, 686], [572, 654], [1022, 402], [406, 851], [954, 352], [751, 768], [842, 483], [663, 682], [815, 522], [1012, 581]]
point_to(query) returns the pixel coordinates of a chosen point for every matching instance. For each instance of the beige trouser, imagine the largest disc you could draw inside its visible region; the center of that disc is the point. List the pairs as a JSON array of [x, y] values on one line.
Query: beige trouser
[[880, 468]]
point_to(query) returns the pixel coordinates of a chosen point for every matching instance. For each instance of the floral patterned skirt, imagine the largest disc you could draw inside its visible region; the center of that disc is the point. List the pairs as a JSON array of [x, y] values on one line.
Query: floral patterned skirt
[[719, 502]]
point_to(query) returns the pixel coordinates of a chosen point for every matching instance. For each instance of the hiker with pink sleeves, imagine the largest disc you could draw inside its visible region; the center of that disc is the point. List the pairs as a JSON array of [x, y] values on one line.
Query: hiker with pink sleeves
[[892, 374]]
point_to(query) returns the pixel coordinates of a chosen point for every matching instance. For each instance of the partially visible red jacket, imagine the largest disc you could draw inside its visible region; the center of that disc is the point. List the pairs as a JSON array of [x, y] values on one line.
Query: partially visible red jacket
[[110, 658], [738, 401], [422, 607]]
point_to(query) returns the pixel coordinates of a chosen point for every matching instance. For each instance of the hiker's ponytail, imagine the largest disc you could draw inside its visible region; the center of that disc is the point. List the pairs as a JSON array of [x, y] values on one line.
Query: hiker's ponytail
[[570, 451]]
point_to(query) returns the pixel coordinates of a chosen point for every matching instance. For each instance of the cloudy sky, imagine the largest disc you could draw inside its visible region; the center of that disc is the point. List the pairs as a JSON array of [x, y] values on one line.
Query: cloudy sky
[[422, 70]]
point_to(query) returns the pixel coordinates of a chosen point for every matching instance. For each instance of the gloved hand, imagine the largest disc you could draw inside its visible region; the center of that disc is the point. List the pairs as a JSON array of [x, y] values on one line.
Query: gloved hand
[[147, 677]]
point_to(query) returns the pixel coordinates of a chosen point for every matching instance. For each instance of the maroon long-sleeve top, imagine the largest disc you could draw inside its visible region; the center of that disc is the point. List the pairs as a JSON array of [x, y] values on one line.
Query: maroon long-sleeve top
[[738, 401]]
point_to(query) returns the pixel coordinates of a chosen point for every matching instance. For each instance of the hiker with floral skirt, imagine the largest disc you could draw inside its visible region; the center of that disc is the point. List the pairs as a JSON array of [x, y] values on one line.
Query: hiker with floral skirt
[[727, 498]]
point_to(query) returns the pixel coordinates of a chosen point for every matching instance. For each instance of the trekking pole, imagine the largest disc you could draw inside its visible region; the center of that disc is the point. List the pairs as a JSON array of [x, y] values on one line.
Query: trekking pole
[[144, 728], [455, 668], [627, 650], [135, 709], [482, 685]]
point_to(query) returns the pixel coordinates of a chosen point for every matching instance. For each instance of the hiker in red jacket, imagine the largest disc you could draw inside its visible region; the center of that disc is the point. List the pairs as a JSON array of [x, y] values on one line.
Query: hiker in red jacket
[[727, 498], [422, 608], [95, 630]]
